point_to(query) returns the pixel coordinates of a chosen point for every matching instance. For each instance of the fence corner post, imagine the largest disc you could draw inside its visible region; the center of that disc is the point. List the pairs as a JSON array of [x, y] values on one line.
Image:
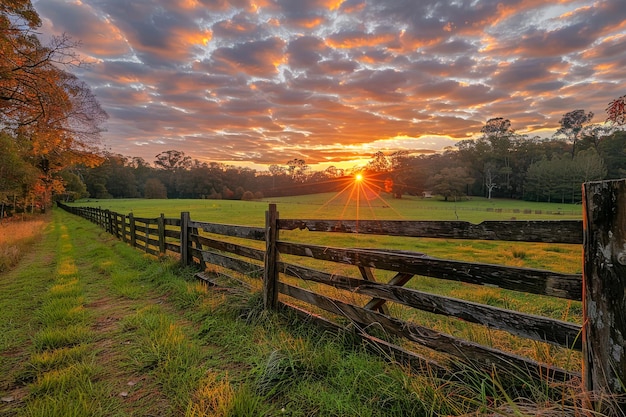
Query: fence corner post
[[270, 274], [604, 287], [185, 259]]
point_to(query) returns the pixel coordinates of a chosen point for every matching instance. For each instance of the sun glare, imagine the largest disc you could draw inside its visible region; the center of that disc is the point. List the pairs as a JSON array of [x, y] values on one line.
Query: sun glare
[[359, 198]]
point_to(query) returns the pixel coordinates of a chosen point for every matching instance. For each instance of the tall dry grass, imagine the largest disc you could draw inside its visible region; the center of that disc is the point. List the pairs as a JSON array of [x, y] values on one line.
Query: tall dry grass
[[15, 239]]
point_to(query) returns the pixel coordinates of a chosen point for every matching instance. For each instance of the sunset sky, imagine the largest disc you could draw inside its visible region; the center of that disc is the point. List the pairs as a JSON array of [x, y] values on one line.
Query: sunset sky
[[253, 83]]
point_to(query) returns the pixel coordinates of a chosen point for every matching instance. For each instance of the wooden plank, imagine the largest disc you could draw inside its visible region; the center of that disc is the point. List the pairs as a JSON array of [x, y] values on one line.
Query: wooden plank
[[533, 281], [399, 279], [234, 248], [237, 265], [389, 351], [172, 233], [140, 228], [193, 232], [551, 231], [530, 326], [222, 280], [146, 220], [152, 251], [246, 232], [376, 303], [463, 350], [172, 222], [154, 242], [172, 247]]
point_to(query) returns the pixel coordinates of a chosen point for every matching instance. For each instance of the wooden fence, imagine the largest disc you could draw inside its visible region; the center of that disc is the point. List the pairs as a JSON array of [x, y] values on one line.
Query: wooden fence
[[602, 234]]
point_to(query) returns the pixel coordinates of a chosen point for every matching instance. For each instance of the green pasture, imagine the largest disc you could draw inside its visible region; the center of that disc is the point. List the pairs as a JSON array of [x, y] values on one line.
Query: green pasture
[[343, 206], [560, 258]]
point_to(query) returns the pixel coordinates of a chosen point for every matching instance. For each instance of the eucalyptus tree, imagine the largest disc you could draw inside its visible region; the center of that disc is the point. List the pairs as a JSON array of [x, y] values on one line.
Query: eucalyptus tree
[[298, 170], [489, 157], [572, 124]]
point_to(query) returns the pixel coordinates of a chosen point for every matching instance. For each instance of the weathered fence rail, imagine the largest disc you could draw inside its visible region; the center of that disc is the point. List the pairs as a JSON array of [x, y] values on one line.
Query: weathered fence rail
[[601, 337]]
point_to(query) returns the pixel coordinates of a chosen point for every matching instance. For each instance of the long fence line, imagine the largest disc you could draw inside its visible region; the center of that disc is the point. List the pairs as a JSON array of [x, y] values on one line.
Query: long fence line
[[602, 233]]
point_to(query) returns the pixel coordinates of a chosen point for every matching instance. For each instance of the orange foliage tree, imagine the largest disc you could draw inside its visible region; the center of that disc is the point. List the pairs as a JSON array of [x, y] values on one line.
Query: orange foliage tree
[[52, 116], [616, 111]]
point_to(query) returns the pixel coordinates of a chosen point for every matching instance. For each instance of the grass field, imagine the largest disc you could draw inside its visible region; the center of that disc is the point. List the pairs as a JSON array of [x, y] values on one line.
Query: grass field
[[343, 206]]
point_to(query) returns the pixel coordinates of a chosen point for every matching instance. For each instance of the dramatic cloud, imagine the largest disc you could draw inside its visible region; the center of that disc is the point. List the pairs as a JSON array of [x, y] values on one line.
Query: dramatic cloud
[[331, 81]]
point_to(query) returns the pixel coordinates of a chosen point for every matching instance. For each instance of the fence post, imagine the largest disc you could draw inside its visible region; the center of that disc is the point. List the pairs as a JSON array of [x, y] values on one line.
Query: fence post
[[116, 224], [109, 221], [161, 225], [185, 259], [270, 275], [604, 286], [147, 236], [132, 230], [124, 239]]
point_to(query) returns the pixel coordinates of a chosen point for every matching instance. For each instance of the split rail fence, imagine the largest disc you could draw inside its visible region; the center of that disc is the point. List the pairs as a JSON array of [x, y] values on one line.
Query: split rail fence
[[601, 287]]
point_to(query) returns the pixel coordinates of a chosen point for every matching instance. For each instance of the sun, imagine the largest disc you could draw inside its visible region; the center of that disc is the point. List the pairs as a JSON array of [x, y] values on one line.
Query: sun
[[358, 177]]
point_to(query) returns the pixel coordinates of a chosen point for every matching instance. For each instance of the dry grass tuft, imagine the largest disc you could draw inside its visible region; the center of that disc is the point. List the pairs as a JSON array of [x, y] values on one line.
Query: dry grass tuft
[[15, 238]]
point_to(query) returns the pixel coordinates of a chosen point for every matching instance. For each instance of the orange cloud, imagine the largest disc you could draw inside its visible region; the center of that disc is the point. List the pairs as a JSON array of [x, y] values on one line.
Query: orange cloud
[[360, 39]]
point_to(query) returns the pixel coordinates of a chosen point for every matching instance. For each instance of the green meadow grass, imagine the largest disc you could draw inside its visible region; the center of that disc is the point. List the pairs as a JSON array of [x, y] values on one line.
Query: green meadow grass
[[340, 206]]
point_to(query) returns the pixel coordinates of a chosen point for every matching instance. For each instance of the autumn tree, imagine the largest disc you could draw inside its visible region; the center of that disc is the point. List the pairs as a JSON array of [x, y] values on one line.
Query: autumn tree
[[46, 110], [616, 111]]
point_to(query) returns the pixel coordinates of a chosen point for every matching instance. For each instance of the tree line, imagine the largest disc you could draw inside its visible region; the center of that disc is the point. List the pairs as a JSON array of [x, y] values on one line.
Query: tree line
[[500, 163]]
